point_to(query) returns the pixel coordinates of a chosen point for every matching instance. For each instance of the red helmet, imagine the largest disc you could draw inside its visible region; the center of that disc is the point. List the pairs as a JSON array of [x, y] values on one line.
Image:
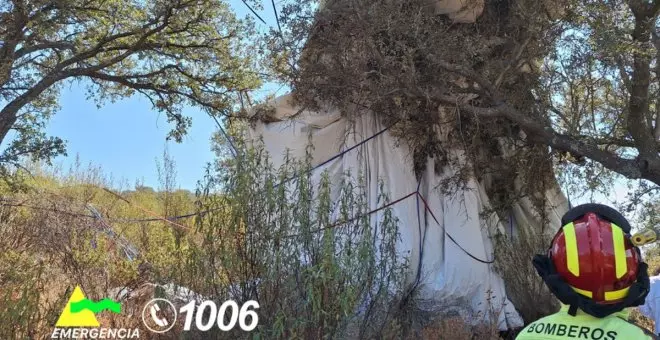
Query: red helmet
[[595, 257]]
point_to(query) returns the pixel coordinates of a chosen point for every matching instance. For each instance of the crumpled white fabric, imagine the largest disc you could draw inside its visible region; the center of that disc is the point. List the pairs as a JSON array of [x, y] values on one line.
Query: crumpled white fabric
[[449, 275], [651, 307]]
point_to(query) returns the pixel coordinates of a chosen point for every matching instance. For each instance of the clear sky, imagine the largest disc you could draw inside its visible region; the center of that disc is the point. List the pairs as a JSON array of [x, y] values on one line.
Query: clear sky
[[125, 138]]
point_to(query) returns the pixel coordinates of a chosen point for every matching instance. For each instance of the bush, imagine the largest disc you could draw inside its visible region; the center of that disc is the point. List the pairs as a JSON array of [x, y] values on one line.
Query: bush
[[319, 262], [51, 243], [318, 269], [525, 288], [419, 318]]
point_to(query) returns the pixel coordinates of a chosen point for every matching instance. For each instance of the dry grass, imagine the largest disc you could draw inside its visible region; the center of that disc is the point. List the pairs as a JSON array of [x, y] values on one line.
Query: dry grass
[[419, 318], [525, 288], [456, 329], [637, 318]]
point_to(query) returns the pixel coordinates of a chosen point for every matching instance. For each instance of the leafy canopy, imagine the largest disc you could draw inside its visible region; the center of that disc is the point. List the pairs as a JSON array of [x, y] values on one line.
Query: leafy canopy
[[176, 53], [565, 85]]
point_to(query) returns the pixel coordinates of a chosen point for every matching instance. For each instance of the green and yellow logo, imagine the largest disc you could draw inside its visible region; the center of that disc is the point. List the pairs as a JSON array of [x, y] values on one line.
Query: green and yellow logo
[[78, 319], [80, 311]]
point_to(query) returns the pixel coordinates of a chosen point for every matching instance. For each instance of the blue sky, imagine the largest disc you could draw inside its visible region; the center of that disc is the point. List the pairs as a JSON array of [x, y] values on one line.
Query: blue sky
[[125, 138]]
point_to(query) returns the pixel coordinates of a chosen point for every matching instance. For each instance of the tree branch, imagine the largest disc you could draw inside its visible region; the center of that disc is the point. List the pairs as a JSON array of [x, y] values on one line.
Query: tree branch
[[8, 113], [147, 86], [13, 36], [151, 74], [656, 41], [513, 62], [538, 133], [639, 96], [627, 143], [47, 45], [560, 114], [482, 82], [624, 74], [104, 41]]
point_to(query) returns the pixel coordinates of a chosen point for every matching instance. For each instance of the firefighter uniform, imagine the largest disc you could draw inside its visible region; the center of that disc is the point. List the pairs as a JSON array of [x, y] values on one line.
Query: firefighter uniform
[[597, 273], [562, 325]]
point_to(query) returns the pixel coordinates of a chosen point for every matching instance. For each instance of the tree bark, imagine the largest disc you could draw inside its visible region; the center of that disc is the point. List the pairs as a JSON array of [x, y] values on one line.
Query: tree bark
[[538, 132], [638, 124], [9, 113], [14, 34]]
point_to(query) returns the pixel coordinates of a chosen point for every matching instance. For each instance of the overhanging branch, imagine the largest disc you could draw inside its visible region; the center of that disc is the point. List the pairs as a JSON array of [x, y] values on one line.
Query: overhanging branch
[[539, 133], [61, 45]]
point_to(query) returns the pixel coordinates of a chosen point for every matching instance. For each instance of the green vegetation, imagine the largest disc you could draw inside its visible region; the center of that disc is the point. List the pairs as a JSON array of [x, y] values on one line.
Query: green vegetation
[[176, 54], [51, 243], [530, 92], [316, 269]]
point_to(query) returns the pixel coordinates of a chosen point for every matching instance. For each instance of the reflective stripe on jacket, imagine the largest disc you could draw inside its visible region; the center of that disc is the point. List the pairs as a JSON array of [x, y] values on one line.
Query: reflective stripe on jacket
[[562, 325]]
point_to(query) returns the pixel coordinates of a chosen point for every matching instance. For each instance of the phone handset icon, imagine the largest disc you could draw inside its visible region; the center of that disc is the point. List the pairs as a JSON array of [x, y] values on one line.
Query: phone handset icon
[[159, 315], [162, 322]]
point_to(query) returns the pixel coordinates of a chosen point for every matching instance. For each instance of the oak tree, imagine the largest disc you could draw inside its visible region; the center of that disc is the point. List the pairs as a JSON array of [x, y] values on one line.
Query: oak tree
[[175, 53], [527, 88]]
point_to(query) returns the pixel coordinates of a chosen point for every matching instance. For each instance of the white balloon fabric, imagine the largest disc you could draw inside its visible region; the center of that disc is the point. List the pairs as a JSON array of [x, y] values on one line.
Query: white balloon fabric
[[448, 243]]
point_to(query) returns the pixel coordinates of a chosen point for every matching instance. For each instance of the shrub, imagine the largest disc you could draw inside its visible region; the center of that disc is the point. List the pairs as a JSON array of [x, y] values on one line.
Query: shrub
[[316, 267], [525, 288]]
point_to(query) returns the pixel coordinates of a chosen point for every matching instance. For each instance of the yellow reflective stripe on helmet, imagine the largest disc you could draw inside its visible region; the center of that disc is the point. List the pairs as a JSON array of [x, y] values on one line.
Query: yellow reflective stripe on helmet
[[572, 259], [616, 294], [621, 266], [583, 292]]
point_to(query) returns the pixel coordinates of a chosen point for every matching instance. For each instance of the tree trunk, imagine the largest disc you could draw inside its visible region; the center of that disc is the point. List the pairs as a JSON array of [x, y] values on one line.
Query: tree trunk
[[9, 113], [8, 118]]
